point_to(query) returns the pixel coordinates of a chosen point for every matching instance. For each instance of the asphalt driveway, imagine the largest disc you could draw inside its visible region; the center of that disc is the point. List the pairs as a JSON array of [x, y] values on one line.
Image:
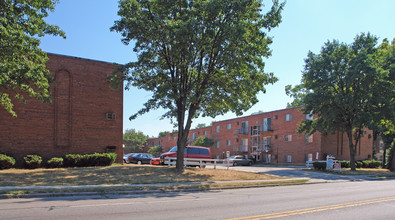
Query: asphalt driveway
[[296, 172]]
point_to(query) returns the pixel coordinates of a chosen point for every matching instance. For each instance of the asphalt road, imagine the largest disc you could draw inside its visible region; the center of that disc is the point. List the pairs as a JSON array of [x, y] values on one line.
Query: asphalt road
[[340, 200]]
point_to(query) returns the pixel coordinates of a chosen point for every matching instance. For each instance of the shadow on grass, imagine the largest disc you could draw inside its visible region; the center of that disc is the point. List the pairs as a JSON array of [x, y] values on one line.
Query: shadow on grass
[[127, 174]]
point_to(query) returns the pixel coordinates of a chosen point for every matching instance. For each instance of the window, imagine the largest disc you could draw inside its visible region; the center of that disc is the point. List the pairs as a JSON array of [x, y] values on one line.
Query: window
[[267, 140], [217, 129], [288, 138], [111, 116], [244, 127], [194, 136], [175, 138], [204, 133], [168, 138], [309, 116], [229, 126], [267, 124], [160, 143], [288, 117], [288, 158], [228, 142], [308, 138], [217, 144]]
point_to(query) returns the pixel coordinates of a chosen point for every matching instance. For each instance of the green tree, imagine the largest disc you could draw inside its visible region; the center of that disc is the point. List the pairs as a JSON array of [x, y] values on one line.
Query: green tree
[[201, 125], [203, 141], [198, 58], [163, 133], [134, 140], [345, 89], [297, 93], [155, 150], [22, 63]]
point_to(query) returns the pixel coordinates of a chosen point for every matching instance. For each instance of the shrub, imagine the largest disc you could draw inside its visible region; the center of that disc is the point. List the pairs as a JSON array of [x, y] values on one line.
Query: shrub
[[86, 160], [344, 163], [32, 161], [72, 160], [319, 165], [55, 162], [6, 162]]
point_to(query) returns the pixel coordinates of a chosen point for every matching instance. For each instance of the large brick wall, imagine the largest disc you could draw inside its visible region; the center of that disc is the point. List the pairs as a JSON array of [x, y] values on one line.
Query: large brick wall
[[75, 121], [297, 150]]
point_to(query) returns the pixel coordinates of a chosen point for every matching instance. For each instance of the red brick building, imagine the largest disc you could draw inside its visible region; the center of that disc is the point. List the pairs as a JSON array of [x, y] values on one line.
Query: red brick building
[[85, 115], [272, 137]]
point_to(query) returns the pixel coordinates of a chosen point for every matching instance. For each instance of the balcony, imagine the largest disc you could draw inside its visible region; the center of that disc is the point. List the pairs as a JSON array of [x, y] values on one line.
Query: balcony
[[265, 148], [241, 131], [241, 149]]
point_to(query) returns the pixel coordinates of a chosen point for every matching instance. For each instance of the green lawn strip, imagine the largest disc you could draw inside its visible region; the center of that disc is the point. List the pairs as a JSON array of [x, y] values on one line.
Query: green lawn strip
[[379, 173], [146, 189]]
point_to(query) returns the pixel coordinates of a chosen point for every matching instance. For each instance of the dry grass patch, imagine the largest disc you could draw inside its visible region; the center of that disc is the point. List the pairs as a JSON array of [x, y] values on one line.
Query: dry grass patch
[[126, 174]]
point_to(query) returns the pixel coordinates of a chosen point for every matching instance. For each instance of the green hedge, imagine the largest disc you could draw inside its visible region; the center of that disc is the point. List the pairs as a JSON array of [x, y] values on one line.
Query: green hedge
[[6, 162], [32, 161], [55, 162], [361, 164], [87, 160], [319, 165]]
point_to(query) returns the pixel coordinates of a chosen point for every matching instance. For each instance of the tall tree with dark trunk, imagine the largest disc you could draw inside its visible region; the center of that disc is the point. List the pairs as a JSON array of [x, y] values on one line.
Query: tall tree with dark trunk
[[198, 58], [346, 89]]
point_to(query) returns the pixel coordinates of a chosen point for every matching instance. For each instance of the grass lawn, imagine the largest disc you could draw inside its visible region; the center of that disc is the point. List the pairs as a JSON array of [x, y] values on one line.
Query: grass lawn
[[383, 173], [129, 174], [120, 174]]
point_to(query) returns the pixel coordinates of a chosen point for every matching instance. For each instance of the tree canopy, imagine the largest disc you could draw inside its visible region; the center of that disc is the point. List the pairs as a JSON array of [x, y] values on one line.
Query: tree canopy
[[22, 63], [347, 88], [203, 141], [198, 58], [134, 140], [155, 150]]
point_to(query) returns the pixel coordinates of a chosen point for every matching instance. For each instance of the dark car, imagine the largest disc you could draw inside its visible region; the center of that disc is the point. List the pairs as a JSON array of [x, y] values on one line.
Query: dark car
[[126, 156], [140, 158], [239, 160]]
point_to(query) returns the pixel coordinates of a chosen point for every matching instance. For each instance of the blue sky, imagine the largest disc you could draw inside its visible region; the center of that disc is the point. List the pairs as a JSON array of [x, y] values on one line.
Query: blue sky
[[306, 26]]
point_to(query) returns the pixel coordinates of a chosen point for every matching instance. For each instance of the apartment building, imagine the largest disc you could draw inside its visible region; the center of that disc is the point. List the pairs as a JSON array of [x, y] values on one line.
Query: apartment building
[[272, 137], [85, 115]]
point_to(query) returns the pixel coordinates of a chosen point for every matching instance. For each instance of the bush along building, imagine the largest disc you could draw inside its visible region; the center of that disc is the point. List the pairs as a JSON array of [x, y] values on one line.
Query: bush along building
[[84, 117], [272, 137]]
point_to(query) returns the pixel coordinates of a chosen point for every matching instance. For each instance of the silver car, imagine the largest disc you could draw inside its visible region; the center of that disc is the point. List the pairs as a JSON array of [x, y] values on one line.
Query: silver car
[[239, 160]]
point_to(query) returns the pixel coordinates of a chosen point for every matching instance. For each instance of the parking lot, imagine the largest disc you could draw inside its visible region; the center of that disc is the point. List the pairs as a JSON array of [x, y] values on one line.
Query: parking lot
[[295, 172]]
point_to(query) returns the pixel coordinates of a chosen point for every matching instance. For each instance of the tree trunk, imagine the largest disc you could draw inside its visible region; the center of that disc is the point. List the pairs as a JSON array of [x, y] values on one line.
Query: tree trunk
[[352, 150], [384, 155]]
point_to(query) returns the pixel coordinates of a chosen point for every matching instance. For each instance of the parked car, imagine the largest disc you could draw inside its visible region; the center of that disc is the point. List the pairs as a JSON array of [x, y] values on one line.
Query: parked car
[[239, 160], [195, 152], [126, 156], [155, 161], [140, 158]]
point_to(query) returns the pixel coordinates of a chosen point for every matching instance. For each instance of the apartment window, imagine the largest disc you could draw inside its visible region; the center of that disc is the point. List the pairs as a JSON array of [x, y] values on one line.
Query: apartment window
[[217, 129], [217, 144], [160, 143], [288, 138], [194, 136], [309, 116], [288, 117], [267, 140], [168, 138], [267, 124], [229, 126], [228, 142], [175, 138], [204, 133], [288, 158], [308, 138]]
